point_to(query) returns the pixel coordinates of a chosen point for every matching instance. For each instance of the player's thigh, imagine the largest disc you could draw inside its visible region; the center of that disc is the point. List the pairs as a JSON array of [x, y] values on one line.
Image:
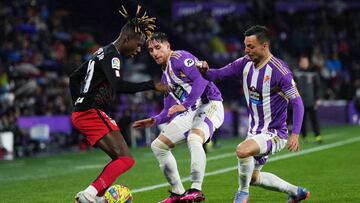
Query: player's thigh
[[269, 143], [113, 144], [177, 129], [209, 117]]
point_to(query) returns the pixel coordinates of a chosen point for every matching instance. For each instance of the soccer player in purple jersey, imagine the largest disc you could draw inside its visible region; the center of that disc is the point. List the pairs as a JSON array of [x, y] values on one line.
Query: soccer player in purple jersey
[[268, 86], [193, 110], [93, 86]]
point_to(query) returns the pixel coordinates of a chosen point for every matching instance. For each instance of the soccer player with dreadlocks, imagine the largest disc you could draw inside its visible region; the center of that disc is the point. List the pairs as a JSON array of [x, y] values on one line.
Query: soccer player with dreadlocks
[[93, 86]]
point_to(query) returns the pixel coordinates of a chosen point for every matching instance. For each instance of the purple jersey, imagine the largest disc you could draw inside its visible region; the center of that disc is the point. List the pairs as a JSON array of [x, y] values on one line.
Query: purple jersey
[[267, 89], [188, 87]]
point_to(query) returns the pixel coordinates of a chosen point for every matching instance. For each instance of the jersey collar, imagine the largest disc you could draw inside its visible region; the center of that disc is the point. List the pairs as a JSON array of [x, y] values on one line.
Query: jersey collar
[[263, 63]]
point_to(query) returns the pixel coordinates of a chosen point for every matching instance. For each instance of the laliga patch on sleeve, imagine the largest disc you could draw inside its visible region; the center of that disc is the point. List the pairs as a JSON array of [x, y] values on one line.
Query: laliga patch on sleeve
[[115, 63], [189, 62]]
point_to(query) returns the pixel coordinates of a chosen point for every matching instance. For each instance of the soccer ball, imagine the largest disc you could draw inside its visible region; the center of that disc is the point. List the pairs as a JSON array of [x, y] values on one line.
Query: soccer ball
[[118, 194]]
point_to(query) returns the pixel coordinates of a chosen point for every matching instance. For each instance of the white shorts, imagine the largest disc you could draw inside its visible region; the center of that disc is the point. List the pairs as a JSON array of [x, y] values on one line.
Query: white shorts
[[269, 143], [207, 117]]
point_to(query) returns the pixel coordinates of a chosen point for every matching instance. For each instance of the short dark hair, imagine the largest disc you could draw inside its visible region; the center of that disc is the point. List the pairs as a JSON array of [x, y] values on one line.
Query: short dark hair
[[159, 36], [261, 33]]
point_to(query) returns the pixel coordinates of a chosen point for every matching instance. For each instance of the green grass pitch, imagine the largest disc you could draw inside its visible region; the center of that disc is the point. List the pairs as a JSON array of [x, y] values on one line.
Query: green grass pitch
[[330, 171]]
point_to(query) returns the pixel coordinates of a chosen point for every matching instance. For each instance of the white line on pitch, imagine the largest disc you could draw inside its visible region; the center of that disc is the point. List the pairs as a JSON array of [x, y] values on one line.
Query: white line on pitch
[[276, 158]]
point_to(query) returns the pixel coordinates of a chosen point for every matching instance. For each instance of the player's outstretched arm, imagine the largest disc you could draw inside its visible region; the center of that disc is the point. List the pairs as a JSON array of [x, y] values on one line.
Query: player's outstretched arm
[[232, 70], [145, 123], [131, 87], [163, 88], [122, 86]]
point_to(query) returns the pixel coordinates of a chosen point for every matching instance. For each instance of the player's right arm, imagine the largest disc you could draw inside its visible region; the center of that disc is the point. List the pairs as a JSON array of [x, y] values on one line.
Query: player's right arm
[[231, 70], [158, 119], [75, 82]]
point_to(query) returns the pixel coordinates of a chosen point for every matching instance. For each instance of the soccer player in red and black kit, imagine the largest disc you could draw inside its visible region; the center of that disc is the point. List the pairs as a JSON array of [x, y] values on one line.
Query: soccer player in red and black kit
[[93, 86]]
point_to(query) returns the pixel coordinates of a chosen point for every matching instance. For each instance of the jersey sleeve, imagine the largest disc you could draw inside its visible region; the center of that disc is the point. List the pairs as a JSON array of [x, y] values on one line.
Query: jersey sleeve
[[187, 66], [288, 86], [232, 70], [110, 65], [162, 116]]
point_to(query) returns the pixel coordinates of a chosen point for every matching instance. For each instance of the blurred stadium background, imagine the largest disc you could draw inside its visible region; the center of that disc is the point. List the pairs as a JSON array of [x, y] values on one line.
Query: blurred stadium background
[[42, 41]]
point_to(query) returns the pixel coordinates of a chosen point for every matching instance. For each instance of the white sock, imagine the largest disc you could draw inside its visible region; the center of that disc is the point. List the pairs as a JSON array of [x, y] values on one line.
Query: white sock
[[245, 168], [168, 165], [100, 199], [91, 190], [273, 182], [198, 160]]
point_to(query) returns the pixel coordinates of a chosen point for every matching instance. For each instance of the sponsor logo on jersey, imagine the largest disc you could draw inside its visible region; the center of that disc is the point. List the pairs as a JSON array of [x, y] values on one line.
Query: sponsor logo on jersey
[[189, 62], [179, 92], [255, 96], [115, 63]]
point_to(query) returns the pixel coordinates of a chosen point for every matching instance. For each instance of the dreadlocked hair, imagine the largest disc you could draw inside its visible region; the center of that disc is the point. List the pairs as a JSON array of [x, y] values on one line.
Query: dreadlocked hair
[[143, 25]]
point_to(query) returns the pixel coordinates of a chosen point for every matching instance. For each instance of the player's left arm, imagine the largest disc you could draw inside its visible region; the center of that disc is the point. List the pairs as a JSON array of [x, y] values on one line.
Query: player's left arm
[[111, 67], [288, 86], [198, 86]]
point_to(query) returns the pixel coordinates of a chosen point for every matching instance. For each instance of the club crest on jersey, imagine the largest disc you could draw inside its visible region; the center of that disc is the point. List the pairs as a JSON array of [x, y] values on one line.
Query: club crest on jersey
[[267, 80], [115, 63], [189, 62]]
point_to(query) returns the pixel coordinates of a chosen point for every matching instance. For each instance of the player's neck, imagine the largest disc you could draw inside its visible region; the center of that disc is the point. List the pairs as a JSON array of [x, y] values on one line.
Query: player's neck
[[263, 61], [164, 65], [116, 43]]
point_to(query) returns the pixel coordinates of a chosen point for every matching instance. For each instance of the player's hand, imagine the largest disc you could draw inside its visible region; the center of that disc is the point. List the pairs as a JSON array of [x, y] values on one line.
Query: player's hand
[[163, 88], [293, 143], [176, 108], [145, 123], [202, 66]]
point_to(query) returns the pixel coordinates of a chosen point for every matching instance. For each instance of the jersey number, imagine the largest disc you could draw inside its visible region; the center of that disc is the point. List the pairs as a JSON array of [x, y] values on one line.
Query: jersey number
[[89, 75]]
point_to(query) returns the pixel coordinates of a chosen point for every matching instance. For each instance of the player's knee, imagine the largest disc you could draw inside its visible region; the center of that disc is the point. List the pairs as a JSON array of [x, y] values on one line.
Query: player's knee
[[195, 138], [128, 161], [118, 152], [158, 146], [242, 152]]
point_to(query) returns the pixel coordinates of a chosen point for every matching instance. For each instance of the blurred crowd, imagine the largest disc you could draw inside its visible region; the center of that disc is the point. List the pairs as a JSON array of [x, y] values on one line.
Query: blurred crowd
[[39, 47], [328, 33]]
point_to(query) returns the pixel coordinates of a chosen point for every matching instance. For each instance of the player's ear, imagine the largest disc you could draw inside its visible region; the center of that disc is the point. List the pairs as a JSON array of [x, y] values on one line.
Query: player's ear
[[266, 45]]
